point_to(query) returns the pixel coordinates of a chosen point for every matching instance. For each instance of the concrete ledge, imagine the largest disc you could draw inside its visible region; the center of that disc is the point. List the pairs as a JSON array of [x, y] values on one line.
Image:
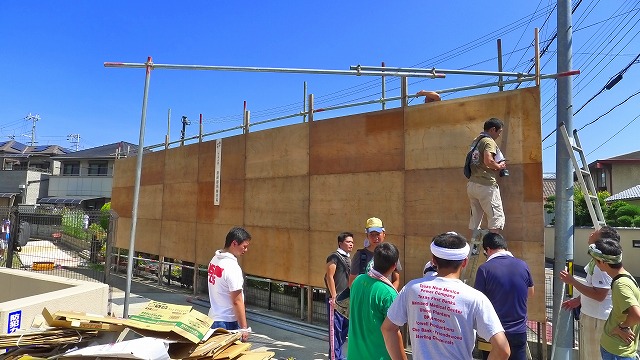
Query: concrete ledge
[[26, 293]]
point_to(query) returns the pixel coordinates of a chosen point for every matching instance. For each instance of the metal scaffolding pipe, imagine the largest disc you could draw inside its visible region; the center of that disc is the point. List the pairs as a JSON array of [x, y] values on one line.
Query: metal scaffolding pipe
[[275, 70], [524, 79], [437, 71]]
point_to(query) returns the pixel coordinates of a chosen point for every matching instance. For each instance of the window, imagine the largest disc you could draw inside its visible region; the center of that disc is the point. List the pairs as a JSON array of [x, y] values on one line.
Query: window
[[98, 168], [71, 169]]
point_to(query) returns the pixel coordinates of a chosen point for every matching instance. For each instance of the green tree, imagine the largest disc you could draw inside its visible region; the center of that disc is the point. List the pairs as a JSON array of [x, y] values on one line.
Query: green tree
[[105, 215], [581, 216]]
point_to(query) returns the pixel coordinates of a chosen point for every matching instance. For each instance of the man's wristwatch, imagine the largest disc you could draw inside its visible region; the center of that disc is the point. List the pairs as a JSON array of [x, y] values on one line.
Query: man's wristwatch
[[623, 328]]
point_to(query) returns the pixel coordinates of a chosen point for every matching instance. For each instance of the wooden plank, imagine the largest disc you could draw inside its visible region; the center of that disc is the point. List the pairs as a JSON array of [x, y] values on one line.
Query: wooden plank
[[357, 143], [278, 152], [181, 164], [122, 200], [277, 202], [278, 253], [342, 202], [321, 244]]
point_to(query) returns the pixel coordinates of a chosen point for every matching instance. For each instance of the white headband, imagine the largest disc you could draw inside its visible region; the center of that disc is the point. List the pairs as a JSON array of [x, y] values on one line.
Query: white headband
[[450, 254]]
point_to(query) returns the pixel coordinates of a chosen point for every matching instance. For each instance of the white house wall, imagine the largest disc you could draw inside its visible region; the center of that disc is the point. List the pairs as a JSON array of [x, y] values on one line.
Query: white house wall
[[99, 186]]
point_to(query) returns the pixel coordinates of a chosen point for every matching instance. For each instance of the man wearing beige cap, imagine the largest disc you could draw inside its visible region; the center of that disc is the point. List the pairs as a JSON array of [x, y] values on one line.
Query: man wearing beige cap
[[361, 261]]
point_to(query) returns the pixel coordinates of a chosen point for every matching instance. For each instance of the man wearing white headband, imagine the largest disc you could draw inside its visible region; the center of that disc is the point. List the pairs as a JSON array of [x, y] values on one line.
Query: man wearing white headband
[[443, 313], [620, 336]]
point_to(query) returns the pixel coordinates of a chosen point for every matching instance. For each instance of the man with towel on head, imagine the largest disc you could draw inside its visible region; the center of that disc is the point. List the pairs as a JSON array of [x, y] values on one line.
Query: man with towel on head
[[442, 312]]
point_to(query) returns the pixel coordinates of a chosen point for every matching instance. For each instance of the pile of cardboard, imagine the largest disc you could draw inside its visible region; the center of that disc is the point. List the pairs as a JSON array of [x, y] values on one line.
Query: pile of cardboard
[[161, 331]]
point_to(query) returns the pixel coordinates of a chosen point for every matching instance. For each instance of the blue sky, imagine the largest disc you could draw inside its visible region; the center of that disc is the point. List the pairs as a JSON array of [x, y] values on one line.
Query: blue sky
[[52, 55]]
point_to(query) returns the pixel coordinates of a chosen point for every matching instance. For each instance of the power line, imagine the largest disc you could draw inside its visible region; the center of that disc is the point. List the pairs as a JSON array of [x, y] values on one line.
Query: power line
[[614, 135]]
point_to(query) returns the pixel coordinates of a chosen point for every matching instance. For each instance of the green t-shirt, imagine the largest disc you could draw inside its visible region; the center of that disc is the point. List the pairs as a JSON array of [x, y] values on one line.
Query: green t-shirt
[[624, 294], [480, 173], [369, 301]]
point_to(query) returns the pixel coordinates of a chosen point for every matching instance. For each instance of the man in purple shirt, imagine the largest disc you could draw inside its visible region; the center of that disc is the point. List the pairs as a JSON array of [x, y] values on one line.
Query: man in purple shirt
[[506, 281]]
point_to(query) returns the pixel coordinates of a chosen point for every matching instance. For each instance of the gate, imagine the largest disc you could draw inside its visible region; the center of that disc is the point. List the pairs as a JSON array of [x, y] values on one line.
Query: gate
[[67, 242]]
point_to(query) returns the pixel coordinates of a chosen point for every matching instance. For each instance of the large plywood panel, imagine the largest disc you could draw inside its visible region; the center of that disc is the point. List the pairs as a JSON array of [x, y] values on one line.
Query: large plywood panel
[[232, 155], [231, 208], [278, 152], [149, 201], [436, 202], [178, 240], [124, 172], [417, 255], [321, 244], [209, 238], [147, 237], [357, 143], [277, 202], [438, 134], [122, 200], [180, 202], [343, 202], [277, 253], [153, 168], [181, 164]]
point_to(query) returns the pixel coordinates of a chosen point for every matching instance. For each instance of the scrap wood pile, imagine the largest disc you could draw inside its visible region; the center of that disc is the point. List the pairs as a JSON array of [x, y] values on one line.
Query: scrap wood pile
[[160, 332]]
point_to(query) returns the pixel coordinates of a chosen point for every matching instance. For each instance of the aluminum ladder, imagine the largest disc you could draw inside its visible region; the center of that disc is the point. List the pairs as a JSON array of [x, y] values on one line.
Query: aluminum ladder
[[584, 177]]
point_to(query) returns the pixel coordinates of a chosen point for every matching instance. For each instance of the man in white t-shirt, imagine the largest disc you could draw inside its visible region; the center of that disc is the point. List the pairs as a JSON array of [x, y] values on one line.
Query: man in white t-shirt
[[443, 313], [226, 282], [594, 299]]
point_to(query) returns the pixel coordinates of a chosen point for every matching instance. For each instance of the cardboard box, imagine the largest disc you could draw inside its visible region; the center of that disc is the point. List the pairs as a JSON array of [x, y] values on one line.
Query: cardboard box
[[78, 320], [169, 319]]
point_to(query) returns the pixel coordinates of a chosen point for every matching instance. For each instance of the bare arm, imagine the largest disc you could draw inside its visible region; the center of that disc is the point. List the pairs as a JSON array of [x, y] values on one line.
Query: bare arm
[[393, 340], [623, 330], [331, 283], [500, 349], [238, 308], [530, 292], [490, 162], [595, 293]]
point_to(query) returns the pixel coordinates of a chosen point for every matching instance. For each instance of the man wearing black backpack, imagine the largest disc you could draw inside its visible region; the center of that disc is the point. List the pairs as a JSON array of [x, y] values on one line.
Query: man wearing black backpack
[[482, 189], [620, 337], [337, 280]]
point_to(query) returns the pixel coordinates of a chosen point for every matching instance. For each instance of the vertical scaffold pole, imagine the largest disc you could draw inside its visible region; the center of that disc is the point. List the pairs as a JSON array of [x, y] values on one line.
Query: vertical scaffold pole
[[136, 188]]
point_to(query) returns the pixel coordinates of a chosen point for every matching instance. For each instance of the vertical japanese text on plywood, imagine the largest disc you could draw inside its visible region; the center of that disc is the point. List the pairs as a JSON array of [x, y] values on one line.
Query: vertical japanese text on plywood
[[216, 193]]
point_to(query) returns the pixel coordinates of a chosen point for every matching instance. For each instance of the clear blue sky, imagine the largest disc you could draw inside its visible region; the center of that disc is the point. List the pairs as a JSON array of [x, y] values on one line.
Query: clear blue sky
[[52, 55]]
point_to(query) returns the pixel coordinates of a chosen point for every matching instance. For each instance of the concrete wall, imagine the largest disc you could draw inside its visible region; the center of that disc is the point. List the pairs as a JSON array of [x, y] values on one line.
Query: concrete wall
[[624, 176], [580, 237], [27, 293]]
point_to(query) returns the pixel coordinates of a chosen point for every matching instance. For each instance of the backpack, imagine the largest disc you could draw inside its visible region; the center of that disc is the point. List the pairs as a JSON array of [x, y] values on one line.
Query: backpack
[[467, 161]]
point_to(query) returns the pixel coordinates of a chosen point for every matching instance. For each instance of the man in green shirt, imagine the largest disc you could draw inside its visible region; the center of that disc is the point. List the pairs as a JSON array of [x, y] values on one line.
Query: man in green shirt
[[371, 296], [620, 337]]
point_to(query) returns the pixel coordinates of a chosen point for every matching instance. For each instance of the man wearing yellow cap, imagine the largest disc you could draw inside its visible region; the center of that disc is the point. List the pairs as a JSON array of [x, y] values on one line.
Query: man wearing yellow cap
[[361, 261]]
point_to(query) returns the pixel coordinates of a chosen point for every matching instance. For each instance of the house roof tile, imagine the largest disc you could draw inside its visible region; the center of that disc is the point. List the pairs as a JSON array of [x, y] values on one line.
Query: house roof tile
[[631, 193]]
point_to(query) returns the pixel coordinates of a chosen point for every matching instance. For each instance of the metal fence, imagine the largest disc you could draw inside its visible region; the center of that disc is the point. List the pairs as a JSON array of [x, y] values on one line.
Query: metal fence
[[68, 242]]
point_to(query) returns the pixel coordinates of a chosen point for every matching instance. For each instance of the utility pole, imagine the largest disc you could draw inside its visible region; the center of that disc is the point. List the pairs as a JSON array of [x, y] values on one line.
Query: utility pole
[[185, 122], [563, 249], [33, 119], [74, 139]]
